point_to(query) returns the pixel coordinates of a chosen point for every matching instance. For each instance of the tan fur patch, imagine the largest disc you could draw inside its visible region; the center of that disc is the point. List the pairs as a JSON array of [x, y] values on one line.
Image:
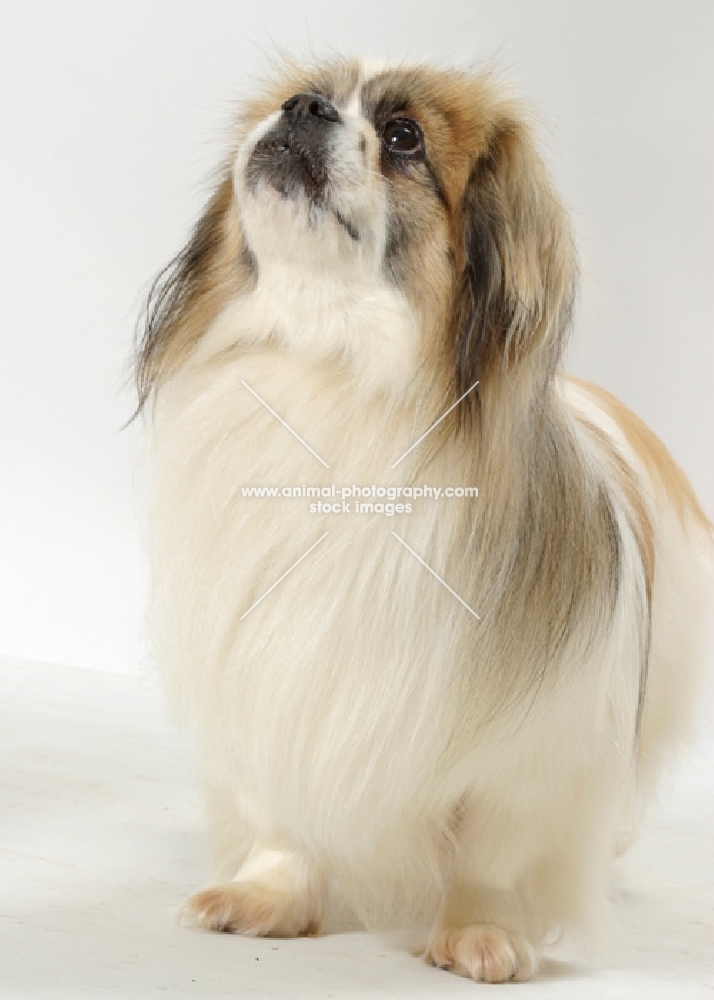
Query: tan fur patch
[[660, 465]]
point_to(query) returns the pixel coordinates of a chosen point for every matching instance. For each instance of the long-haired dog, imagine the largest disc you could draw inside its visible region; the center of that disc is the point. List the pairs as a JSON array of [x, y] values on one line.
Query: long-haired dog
[[445, 717]]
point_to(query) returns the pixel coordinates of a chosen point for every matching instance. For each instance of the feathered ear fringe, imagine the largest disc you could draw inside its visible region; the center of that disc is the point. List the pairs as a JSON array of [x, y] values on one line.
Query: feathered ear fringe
[[190, 291], [519, 271]]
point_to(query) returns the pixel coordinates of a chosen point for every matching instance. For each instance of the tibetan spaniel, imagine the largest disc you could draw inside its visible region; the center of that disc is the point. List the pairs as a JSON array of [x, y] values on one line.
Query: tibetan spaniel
[[445, 712]]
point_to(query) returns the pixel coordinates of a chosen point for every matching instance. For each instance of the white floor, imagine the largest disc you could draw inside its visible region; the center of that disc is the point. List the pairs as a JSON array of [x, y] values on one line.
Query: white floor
[[101, 835]]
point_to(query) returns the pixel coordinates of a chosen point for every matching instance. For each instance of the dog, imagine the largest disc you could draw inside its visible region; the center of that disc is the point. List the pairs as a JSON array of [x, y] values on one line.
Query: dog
[[448, 713]]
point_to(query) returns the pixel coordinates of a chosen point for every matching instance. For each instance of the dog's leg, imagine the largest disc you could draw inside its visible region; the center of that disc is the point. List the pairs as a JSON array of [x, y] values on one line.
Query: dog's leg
[[276, 893], [520, 877], [474, 935], [232, 839]]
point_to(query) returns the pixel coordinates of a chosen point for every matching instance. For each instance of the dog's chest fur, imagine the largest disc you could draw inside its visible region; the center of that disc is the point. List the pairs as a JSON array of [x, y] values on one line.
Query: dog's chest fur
[[346, 665]]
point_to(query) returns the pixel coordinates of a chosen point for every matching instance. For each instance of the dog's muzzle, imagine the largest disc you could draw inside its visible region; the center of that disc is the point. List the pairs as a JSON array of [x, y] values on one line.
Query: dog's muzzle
[[293, 155]]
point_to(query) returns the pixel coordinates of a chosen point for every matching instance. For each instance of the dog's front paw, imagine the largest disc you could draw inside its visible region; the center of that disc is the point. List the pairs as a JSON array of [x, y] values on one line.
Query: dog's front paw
[[483, 952], [249, 908]]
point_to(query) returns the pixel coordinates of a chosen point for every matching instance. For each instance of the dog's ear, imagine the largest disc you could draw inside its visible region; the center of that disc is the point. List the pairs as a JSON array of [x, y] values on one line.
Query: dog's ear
[[189, 293], [517, 267]]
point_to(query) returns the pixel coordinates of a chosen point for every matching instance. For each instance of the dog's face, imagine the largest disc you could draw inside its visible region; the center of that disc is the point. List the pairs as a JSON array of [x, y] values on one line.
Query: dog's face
[[412, 182], [356, 167]]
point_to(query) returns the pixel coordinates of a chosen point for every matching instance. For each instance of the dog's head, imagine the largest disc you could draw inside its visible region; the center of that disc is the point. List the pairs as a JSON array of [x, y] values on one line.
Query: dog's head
[[411, 189]]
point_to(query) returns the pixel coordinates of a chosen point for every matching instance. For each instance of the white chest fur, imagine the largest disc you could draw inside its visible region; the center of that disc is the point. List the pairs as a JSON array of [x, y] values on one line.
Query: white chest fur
[[337, 679]]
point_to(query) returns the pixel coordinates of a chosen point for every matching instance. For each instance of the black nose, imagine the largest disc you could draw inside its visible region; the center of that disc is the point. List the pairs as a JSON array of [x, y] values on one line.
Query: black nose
[[310, 106]]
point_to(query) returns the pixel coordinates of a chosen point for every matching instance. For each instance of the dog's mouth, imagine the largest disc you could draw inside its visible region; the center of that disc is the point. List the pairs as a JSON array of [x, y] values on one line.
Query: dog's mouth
[[295, 168], [291, 165]]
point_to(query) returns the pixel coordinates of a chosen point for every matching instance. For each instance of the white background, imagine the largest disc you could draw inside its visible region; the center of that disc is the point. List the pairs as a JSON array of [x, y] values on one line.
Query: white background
[[111, 120]]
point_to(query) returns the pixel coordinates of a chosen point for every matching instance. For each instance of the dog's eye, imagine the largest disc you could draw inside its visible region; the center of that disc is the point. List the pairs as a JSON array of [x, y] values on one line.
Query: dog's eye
[[403, 137]]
